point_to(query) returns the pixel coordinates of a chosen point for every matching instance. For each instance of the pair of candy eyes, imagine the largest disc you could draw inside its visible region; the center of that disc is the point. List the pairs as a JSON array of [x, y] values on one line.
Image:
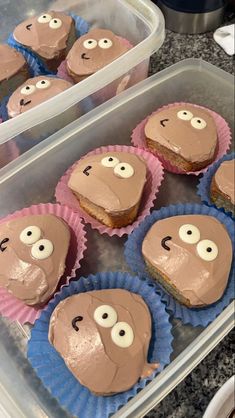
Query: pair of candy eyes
[[41, 248], [104, 43], [197, 123], [206, 248], [123, 170], [30, 88], [105, 316], [54, 23]]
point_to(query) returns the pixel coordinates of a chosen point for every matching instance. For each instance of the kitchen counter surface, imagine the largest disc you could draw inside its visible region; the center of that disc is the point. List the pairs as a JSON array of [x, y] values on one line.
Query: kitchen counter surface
[[191, 397]]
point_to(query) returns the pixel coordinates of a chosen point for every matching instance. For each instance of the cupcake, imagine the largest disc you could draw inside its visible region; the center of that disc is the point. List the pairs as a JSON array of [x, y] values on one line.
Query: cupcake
[[33, 92], [222, 192], [190, 256], [13, 70], [109, 186], [93, 51], [49, 36], [117, 323], [33, 251]]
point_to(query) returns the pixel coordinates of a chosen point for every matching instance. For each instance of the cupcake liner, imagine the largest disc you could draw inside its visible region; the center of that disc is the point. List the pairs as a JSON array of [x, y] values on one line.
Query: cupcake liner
[[205, 183], [135, 260], [223, 132], [14, 308], [35, 63], [53, 372], [3, 108], [154, 178]]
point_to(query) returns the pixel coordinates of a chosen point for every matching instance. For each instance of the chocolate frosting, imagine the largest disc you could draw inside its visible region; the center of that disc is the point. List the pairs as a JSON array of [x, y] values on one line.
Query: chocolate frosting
[[180, 136], [89, 349], [11, 60], [46, 41], [101, 186], [84, 60], [202, 282], [24, 272], [20, 101], [224, 179]]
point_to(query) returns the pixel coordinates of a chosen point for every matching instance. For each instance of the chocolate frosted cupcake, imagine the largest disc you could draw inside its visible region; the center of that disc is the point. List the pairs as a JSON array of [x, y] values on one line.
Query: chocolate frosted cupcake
[[50, 36], [91, 52], [222, 192], [33, 92], [13, 70]]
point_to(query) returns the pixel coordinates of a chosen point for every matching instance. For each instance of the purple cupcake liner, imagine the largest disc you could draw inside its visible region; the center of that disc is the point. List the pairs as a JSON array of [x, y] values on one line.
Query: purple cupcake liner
[[35, 63], [135, 260], [53, 372], [203, 188]]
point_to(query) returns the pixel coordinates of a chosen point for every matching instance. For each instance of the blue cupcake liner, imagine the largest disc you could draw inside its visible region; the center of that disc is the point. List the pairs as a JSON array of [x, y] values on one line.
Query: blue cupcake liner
[[135, 260], [3, 109], [53, 372], [37, 65], [205, 183]]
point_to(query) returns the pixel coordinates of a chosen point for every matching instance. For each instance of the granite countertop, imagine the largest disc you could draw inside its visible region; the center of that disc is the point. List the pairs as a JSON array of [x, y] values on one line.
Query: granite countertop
[[191, 397]]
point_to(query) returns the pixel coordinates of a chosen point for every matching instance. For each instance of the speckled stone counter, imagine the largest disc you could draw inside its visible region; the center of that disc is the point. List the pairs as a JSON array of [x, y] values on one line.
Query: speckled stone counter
[[191, 397]]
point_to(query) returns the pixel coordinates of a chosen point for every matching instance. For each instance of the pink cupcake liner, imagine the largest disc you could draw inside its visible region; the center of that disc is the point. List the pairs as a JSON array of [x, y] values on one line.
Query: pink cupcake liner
[[15, 309], [223, 131], [154, 179]]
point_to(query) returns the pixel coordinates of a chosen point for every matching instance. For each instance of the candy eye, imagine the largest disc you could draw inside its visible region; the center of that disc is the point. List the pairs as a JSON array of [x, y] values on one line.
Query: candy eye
[[105, 43], [43, 84], [55, 23], [184, 115], [105, 316], [29, 89], [122, 334], [189, 234], [42, 249], [109, 161], [198, 123], [90, 44], [207, 250], [124, 170], [44, 18], [30, 235]]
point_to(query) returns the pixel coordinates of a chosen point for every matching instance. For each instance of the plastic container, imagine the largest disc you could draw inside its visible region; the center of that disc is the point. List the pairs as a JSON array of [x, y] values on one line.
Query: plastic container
[[32, 179], [139, 21]]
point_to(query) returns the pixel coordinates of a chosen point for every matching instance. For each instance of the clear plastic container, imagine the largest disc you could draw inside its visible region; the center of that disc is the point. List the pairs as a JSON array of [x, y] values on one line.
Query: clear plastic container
[[32, 179], [139, 21]]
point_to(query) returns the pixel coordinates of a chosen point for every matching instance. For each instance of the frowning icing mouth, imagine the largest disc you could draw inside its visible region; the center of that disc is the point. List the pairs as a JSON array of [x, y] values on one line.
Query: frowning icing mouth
[[163, 121], [28, 26], [23, 103], [84, 57], [2, 246], [163, 243], [86, 170]]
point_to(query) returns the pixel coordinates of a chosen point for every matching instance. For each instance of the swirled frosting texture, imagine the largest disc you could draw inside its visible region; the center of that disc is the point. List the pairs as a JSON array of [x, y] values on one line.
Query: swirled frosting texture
[[185, 264], [224, 179], [104, 186], [31, 273], [44, 37], [91, 52], [11, 61], [194, 141], [83, 330]]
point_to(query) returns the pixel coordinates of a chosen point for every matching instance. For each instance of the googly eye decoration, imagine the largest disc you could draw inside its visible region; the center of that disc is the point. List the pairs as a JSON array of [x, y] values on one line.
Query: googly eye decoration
[[45, 18], [105, 43], [122, 335], [55, 23], [30, 235], [90, 43], [43, 84], [198, 123], [109, 161], [105, 316], [184, 115], [124, 170], [189, 233], [207, 250], [27, 90], [42, 249]]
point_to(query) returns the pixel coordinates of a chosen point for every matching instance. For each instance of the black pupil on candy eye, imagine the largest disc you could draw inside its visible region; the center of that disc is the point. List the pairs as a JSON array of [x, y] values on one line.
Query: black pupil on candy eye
[[122, 333], [110, 159], [55, 21], [44, 17], [185, 113], [27, 87], [90, 42], [105, 41], [41, 247], [189, 232], [29, 233], [209, 249], [198, 121], [122, 168], [105, 316], [42, 82]]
